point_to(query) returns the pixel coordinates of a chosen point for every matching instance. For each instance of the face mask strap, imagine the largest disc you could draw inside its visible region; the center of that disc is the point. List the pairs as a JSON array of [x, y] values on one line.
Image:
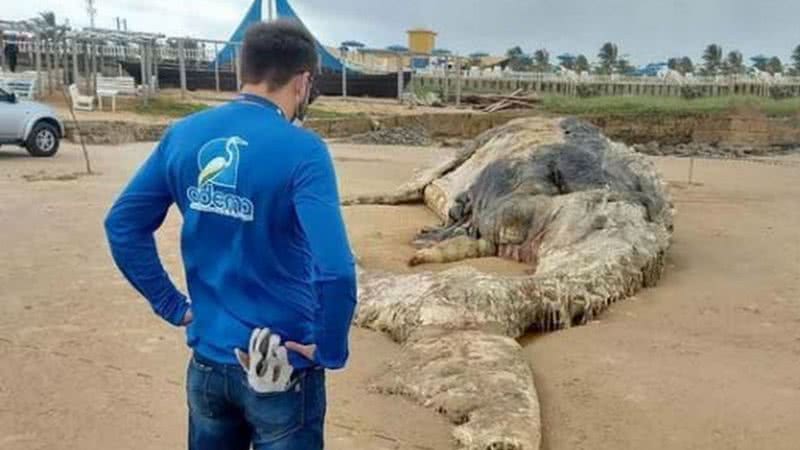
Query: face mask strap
[[302, 109]]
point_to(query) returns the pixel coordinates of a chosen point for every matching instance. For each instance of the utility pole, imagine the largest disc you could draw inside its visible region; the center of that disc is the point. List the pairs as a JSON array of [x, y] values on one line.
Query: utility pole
[[92, 12]]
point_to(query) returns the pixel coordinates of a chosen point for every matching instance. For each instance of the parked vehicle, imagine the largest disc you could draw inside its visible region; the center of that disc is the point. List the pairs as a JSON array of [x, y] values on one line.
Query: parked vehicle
[[29, 124]]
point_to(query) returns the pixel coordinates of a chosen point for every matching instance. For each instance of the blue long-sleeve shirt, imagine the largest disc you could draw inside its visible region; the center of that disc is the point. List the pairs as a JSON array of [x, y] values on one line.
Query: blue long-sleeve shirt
[[263, 240]]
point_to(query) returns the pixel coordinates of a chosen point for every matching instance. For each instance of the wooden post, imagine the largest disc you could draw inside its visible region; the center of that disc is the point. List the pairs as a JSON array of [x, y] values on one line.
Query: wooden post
[[37, 43], [93, 48], [143, 72], [49, 65], [145, 68], [74, 61], [182, 67], [66, 47], [446, 87], [124, 58], [216, 67], [399, 78], [85, 67], [102, 56], [57, 64], [237, 67], [156, 57], [151, 55], [344, 76], [62, 63], [458, 81]]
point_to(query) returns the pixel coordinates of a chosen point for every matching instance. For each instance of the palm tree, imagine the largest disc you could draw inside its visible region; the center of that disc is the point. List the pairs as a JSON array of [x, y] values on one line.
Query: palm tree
[[673, 64], [760, 62], [774, 65], [581, 64], [734, 63], [713, 59], [48, 28], [624, 67], [48, 17], [796, 59], [686, 65], [608, 56], [681, 65], [515, 52], [541, 60], [518, 60], [566, 60]]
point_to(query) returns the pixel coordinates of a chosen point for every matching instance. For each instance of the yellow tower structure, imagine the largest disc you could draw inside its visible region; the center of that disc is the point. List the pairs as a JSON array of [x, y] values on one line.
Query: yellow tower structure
[[421, 41]]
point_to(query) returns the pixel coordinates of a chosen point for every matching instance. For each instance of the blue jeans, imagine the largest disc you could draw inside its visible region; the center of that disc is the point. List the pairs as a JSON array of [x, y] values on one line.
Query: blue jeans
[[225, 413]]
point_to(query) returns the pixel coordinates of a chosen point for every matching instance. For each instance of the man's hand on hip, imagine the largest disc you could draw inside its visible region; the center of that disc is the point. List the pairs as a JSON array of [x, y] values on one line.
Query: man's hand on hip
[[187, 318], [307, 351], [266, 362]]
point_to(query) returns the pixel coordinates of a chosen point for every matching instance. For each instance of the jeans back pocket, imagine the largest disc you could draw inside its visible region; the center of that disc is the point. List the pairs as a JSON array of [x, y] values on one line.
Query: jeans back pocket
[[276, 415]]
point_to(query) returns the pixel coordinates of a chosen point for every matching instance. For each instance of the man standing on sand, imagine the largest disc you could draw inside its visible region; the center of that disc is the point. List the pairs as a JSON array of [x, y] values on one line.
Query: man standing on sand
[[264, 248]]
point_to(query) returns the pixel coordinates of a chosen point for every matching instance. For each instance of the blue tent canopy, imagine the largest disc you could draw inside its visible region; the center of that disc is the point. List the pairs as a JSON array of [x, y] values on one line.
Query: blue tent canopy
[[228, 52], [326, 59], [284, 11]]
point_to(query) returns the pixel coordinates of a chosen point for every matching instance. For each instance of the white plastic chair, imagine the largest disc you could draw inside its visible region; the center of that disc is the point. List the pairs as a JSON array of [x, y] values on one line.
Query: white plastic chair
[[80, 102]]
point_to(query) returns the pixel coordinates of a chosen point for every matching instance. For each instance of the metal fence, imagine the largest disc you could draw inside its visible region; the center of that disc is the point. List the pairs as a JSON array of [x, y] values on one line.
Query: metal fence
[[189, 63], [157, 63], [79, 60], [452, 81]]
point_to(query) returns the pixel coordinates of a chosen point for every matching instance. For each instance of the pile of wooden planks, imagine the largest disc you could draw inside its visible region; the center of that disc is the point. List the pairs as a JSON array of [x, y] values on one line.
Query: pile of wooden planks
[[494, 102]]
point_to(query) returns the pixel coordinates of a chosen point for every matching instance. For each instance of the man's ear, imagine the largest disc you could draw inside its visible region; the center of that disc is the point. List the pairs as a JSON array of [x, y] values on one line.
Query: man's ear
[[305, 80]]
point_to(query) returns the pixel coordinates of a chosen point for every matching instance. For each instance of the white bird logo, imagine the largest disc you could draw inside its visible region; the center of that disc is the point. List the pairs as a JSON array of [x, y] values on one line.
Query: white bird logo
[[215, 167]]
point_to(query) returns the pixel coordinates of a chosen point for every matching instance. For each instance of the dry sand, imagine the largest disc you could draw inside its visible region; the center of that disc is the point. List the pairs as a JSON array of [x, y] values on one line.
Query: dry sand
[[708, 359], [85, 363]]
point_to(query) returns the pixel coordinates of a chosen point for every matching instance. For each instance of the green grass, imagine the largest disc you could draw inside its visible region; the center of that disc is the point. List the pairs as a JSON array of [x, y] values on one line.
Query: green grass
[[319, 113], [160, 106], [668, 106], [168, 107]]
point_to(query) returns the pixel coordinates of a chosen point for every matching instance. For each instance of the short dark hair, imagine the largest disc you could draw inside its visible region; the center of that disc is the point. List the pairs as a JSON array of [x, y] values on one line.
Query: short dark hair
[[276, 51]]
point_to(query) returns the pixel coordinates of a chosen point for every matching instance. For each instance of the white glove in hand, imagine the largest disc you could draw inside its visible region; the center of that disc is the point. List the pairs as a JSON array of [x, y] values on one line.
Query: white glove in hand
[[267, 364]]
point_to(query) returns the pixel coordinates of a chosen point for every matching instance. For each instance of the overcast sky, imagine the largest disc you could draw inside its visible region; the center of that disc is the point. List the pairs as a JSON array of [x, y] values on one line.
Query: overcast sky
[[646, 30]]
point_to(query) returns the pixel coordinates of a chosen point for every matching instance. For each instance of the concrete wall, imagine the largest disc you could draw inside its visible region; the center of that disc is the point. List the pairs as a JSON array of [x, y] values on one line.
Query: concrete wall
[[463, 125], [114, 132], [740, 129]]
